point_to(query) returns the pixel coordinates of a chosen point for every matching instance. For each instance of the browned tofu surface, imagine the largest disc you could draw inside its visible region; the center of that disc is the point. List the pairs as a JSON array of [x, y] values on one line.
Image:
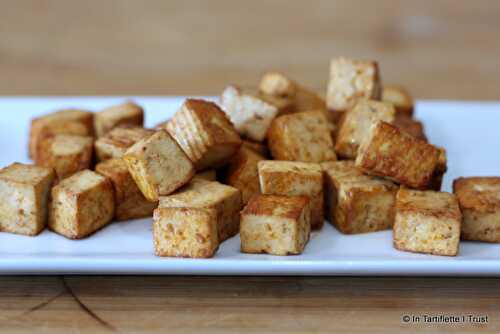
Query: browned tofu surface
[[352, 80], [304, 136], [208, 175], [356, 125], [357, 203], [81, 204], [291, 178], [24, 194], [427, 222], [185, 232], [130, 203], [393, 154], [66, 154], [277, 84], [479, 199], [115, 143], [127, 113], [411, 126], [259, 148], [68, 121], [243, 174], [225, 200], [205, 133], [400, 98], [278, 225], [158, 165]]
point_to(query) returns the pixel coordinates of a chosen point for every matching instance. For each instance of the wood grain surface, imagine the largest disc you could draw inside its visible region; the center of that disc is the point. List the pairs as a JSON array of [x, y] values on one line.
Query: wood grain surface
[[438, 49]]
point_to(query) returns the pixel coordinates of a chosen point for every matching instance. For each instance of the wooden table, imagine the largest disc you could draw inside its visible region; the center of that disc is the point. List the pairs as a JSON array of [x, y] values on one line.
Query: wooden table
[[438, 49]]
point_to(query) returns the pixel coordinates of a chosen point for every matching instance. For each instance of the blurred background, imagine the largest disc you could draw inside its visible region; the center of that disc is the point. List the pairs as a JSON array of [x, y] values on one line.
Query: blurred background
[[437, 49]]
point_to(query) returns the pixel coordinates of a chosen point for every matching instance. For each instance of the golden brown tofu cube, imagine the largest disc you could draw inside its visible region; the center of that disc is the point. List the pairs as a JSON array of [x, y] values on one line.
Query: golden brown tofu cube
[[259, 148], [205, 134], [64, 122], [81, 204], [393, 154], [242, 173], [411, 126], [441, 168], [304, 136], [130, 203], [24, 193], [277, 225], [357, 123], [427, 222], [350, 81], [67, 154], [479, 200], [225, 200], [307, 100], [185, 232], [208, 175], [400, 98], [116, 142], [277, 84], [158, 165], [357, 203], [128, 114], [250, 115], [292, 178]]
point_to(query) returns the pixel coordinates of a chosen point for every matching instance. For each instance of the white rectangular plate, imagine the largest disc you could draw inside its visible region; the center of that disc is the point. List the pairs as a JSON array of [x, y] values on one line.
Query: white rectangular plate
[[468, 130]]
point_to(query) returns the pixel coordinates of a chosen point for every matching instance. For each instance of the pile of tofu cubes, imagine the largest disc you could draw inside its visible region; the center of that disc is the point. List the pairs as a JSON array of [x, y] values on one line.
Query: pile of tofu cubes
[[270, 164]]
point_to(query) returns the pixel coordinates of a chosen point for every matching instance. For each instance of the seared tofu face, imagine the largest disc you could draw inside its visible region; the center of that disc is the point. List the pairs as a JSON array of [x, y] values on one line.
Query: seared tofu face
[[243, 174], [357, 124], [125, 114], [24, 193], [395, 155], [400, 98], [225, 200], [291, 178], [277, 84], [117, 141], [479, 199], [304, 136], [277, 225], [185, 232], [427, 222], [68, 122], [250, 115], [81, 204], [130, 203], [66, 154], [357, 203], [205, 134], [350, 81], [158, 165], [411, 126]]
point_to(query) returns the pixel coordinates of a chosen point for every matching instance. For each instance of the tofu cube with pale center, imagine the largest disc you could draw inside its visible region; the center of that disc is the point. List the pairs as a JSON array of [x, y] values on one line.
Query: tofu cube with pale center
[[427, 222], [277, 225], [116, 142], [24, 193], [128, 113]]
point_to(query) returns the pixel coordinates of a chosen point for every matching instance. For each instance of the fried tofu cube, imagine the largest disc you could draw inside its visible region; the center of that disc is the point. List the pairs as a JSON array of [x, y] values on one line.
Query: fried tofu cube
[[199, 194], [130, 203], [242, 173], [441, 168], [357, 123], [427, 222], [24, 193], [259, 148], [205, 133], [350, 81], [285, 105], [185, 232], [277, 225], [479, 200], [81, 204], [67, 154], [68, 122], [395, 155], [250, 115], [277, 84], [116, 142], [400, 98], [411, 126], [304, 136], [292, 178], [128, 113], [307, 100], [357, 203], [158, 165], [208, 175]]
